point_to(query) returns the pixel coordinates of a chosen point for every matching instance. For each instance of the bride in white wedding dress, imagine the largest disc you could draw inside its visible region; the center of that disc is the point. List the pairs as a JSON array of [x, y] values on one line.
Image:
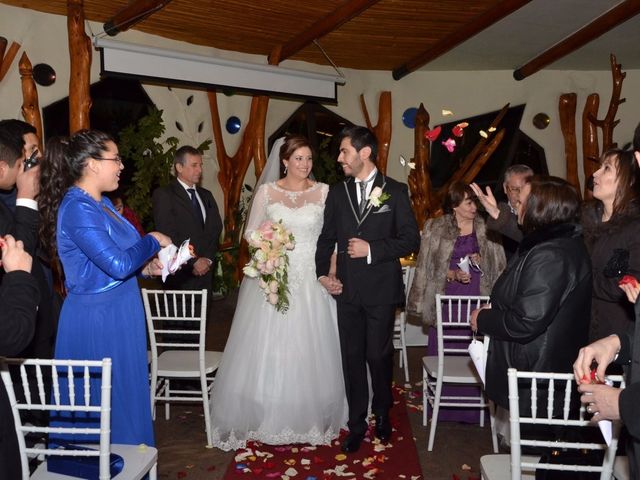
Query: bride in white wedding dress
[[280, 380]]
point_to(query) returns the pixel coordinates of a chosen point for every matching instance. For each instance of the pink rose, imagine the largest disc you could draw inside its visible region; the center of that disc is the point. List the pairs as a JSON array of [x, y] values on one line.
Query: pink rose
[[273, 286], [273, 298]]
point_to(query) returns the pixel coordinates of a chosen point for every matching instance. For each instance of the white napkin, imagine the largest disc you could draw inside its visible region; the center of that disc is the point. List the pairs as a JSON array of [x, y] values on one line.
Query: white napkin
[[605, 425], [172, 258], [464, 264], [476, 352]]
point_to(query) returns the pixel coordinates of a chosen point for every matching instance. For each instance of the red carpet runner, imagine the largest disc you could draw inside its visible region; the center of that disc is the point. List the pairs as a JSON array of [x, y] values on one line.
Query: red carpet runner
[[397, 460]]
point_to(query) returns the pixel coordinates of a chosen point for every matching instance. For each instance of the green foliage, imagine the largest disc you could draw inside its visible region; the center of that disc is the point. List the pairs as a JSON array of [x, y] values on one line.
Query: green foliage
[[152, 161]]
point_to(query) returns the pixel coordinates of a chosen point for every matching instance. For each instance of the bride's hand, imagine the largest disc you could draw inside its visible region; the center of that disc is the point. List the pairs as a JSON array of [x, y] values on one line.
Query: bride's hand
[[331, 284], [153, 268]]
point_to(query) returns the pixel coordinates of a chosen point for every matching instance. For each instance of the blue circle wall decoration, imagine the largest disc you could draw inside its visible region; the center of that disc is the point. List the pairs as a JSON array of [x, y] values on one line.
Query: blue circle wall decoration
[[233, 124], [409, 117]]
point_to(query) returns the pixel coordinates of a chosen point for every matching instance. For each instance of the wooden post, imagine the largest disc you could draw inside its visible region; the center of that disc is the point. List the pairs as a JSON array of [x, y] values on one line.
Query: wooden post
[[567, 108], [80, 75], [419, 179], [590, 144], [7, 60], [382, 130], [30, 105]]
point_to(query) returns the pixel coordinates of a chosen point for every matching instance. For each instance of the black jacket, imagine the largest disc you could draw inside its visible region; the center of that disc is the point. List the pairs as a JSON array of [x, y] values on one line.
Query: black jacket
[[614, 247], [540, 305], [174, 216], [19, 297], [629, 402], [391, 231]]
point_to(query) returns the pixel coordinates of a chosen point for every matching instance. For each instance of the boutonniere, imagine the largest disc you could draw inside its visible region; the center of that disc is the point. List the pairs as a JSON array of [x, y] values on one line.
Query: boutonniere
[[377, 197]]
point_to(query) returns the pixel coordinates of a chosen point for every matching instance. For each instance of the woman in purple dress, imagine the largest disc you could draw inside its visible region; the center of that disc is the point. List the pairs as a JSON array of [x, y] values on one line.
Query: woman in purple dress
[[446, 240]]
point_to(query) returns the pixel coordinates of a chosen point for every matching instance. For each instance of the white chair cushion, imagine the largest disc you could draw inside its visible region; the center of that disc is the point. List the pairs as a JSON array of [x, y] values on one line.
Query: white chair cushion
[[184, 363], [456, 369], [498, 467]]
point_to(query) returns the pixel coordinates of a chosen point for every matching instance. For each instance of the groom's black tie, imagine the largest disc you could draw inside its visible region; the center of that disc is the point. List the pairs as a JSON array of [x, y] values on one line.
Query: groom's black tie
[[363, 197], [196, 205]]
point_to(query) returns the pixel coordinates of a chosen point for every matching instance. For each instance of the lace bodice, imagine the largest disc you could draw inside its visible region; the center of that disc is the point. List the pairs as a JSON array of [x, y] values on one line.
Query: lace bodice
[[301, 212]]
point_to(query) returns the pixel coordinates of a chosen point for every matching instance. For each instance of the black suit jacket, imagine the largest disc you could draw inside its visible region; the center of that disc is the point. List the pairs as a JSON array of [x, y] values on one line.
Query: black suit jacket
[[391, 231], [19, 297], [174, 216], [23, 224]]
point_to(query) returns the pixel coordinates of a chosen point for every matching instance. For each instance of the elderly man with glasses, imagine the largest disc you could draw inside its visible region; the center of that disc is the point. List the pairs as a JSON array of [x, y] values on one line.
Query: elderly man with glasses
[[502, 215]]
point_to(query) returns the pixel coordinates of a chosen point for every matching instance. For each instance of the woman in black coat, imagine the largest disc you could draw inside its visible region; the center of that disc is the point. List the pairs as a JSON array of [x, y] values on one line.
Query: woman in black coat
[[611, 225], [540, 305]]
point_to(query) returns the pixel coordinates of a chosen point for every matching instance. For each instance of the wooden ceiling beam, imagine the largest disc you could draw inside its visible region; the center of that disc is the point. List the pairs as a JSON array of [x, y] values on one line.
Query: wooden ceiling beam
[[464, 33], [611, 19], [133, 13], [333, 20]]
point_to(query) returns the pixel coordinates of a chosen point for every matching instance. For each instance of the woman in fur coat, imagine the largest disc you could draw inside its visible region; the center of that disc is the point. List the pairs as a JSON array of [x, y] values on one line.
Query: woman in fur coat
[[447, 239]]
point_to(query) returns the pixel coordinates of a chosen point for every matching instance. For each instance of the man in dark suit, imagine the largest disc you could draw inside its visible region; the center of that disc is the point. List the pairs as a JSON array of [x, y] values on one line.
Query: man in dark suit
[[19, 296], [50, 303], [184, 210], [370, 218]]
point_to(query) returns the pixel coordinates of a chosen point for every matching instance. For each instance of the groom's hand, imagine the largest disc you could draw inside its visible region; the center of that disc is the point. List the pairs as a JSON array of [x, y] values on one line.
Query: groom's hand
[[358, 248]]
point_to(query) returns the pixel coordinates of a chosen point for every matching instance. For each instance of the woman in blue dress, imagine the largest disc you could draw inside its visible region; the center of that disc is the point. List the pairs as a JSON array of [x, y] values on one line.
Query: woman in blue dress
[[101, 255]]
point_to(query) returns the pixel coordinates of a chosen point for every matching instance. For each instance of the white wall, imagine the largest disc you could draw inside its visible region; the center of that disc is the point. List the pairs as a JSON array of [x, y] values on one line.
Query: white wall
[[44, 38]]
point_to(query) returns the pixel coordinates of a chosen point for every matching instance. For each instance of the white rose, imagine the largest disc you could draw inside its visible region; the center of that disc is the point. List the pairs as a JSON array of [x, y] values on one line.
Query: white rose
[[260, 256], [374, 196], [250, 271]]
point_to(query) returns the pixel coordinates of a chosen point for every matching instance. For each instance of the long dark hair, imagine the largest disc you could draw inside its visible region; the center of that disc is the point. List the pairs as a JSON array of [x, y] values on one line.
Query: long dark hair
[[63, 165], [628, 179], [551, 201]]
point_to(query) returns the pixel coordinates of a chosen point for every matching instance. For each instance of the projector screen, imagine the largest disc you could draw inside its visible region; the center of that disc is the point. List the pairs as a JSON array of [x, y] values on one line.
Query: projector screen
[[171, 67]]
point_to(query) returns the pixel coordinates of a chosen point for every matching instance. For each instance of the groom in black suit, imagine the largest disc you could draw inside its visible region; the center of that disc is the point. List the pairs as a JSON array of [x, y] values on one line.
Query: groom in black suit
[[182, 209], [370, 219]]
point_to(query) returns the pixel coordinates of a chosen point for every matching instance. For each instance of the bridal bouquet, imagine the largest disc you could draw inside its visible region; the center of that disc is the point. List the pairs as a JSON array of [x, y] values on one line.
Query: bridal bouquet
[[268, 246]]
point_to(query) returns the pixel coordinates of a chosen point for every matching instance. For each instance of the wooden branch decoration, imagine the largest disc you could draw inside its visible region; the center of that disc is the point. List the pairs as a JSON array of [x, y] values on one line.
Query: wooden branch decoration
[[7, 60], [567, 110], [485, 154], [609, 122], [30, 105], [233, 169], [590, 147], [382, 130], [419, 179], [478, 154], [80, 74]]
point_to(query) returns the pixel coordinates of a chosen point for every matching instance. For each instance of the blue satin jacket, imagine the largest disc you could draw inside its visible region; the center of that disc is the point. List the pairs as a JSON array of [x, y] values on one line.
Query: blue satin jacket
[[98, 248]]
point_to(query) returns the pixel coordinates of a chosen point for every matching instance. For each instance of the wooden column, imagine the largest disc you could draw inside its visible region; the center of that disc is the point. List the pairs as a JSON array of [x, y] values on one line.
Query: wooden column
[[567, 110], [7, 56], [80, 75], [590, 143], [30, 105], [382, 130], [419, 179]]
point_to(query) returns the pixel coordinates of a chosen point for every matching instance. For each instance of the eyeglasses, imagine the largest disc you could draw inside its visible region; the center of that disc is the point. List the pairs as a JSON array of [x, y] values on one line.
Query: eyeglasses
[[117, 159], [515, 190]]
